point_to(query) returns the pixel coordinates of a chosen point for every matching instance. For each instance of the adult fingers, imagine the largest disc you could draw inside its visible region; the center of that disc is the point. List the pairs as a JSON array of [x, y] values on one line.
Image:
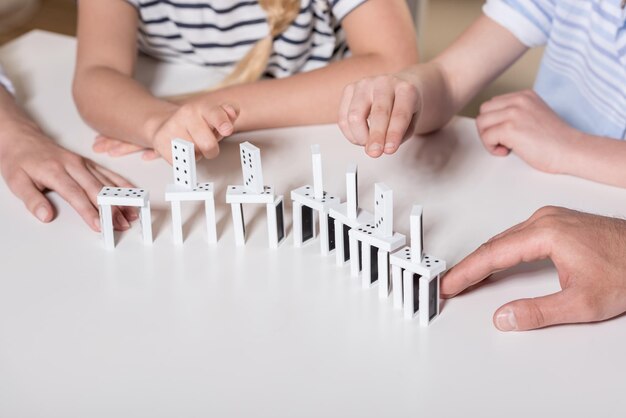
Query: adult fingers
[[403, 116], [507, 251], [75, 195], [382, 105], [130, 213], [344, 108], [23, 187], [150, 155], [91, 185], [564, 307], [359, 112]]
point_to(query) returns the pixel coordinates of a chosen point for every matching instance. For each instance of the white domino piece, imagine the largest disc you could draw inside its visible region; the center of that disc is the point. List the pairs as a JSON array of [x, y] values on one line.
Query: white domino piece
[[396, 286], [177, 222], [318, 182], [251, 168], [239, 224], [417, 233], [355, 260], [276, 222], [411, 303], [117, 196], [366, 265], [352, 191], [429, 300], [296, 223], [383, 210], [254, 192], [325, 235], [184, 164], [384, 282]]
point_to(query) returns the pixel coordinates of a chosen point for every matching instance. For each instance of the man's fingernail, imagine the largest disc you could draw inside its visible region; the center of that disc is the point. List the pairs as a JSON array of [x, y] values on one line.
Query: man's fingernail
[[389, 146], [121, 221], [41, 213], [374, 148], [96, 223], [505, 320]]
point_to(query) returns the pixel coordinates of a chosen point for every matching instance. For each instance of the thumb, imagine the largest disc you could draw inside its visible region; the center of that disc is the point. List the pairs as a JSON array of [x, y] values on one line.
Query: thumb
[[527, 314], [232, 110]]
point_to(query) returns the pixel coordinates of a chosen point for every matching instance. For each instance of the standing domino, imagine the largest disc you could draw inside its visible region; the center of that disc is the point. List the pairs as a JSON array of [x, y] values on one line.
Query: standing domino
[[346, 217], [416, 276], [254, 192], [186, 189], [115, 196], [377, 241], [309, 203]]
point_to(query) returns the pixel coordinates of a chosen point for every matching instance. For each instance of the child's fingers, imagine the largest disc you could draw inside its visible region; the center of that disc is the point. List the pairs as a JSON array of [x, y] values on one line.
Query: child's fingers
[[219, 119], [150, 155], [344, 108], [232, 110], [203, 137], [382, 105], [501, 102], [497, 139], [23, 187], [403, 117], [359, 112]]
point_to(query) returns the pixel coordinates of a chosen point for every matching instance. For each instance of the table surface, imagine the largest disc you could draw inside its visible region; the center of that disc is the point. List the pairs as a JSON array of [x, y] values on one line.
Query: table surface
[[202, 330]]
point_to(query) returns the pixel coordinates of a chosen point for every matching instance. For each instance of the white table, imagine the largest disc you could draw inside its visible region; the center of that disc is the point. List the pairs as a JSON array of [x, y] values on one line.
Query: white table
[[203, 331]]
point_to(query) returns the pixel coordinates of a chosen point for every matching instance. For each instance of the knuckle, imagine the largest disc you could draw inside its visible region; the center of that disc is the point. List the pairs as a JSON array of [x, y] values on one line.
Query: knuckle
[[405, 88], [536, 318], [354, 116], [379, 110]]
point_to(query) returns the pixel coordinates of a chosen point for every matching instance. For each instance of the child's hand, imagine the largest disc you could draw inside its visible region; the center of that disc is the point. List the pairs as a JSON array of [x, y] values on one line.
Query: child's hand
[[31, 164], [198, 122], [523, 123], [379, 113], [118, 148], [588, 251]]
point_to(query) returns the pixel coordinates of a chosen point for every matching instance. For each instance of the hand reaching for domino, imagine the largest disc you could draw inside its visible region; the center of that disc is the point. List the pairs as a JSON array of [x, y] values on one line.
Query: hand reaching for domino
[[588, 251], [203, 124]]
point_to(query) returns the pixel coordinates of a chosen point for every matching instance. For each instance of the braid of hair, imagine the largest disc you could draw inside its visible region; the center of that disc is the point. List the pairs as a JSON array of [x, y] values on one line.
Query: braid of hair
[[280, 15]]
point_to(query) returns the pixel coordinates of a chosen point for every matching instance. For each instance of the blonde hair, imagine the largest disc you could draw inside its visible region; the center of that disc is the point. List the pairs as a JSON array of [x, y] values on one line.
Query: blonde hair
[[280, 15]]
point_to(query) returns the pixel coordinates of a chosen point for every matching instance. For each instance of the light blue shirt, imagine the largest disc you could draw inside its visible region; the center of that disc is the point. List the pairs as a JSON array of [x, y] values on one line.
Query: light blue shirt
[[583, 71]]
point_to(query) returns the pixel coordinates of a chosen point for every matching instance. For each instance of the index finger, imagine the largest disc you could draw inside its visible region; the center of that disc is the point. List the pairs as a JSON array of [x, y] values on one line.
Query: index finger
[[505, 251]]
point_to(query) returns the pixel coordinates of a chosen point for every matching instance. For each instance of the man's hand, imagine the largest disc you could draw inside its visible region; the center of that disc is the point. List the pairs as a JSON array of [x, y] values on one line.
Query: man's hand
[[523, 123], [588, 251]]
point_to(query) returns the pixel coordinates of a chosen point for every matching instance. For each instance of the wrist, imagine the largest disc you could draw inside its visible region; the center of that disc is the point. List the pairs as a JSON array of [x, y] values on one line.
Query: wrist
[[154, 122], [572, 152]]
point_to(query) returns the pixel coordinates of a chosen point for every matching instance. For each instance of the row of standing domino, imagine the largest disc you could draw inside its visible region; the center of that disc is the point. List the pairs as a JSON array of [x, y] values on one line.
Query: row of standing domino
[[367, 241]]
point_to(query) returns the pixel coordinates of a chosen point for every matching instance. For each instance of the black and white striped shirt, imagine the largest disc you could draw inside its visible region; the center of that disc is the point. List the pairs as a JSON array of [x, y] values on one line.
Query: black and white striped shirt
[[218, 33]]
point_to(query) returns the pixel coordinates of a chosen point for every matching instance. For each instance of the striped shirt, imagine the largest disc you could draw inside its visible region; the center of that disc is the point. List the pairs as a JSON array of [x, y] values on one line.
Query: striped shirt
[[583, 70], [218, 33], [5, 82]]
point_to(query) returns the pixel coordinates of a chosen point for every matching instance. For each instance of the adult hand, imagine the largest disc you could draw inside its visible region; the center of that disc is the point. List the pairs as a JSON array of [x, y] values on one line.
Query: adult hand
[[523, 123], [379, 113], [588, 251], [32, 163]]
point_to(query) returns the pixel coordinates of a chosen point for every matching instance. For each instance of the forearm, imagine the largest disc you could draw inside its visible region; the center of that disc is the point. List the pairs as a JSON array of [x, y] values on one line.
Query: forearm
[[596, 158], [118, 106], [303, 99]]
